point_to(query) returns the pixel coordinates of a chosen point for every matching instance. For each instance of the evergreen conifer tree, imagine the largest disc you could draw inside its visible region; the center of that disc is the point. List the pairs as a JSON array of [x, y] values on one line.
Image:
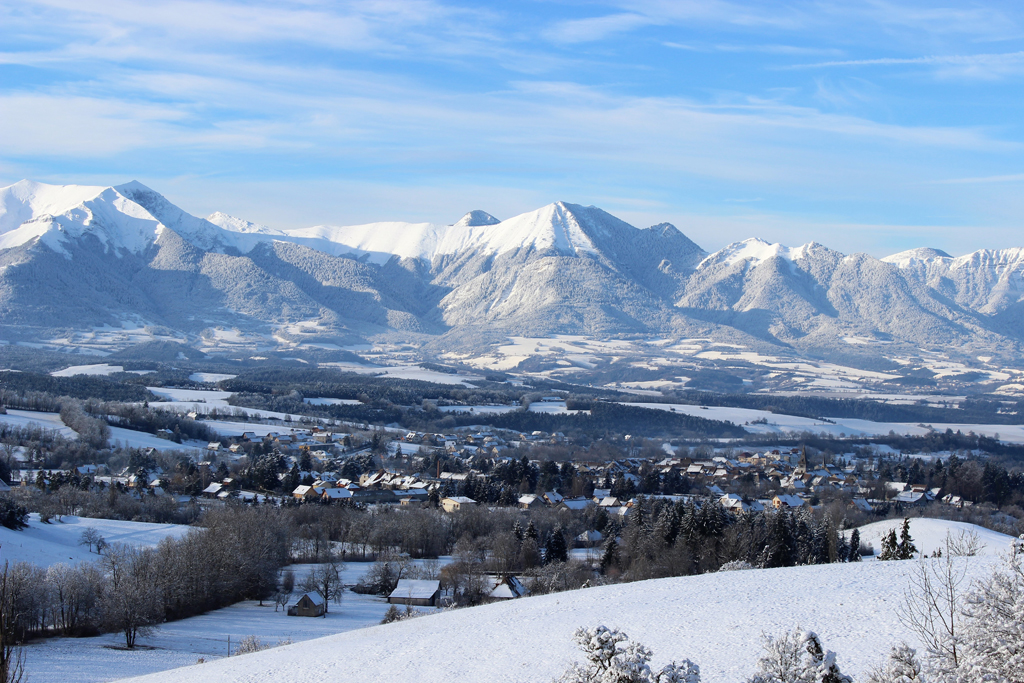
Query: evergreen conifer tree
[[905, 549], [853, 555], [609, 554], [890, 546], [557, 550]]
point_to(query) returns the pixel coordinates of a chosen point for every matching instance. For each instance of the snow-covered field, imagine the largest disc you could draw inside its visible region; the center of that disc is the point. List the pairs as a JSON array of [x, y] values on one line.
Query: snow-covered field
[[778, 423], [227, 428], [95, 369], [552, 407], [415, 372], [333, 402], [181, 643], [714, 619], [126, 437], [202, 400], [135, 439], [210, 377], [46, 544], [930, 534], [24, 418]]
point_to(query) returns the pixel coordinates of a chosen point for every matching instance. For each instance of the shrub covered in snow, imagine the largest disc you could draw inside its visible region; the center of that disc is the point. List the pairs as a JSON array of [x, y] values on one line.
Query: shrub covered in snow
[[613, 658], [797, 657]]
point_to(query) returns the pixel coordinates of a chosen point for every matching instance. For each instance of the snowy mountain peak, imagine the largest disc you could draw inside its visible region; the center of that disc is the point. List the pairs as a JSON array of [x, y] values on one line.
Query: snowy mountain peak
[[476, 218], [232, 224], [665, 229], [926, 254], [755, 250], [27, 200]]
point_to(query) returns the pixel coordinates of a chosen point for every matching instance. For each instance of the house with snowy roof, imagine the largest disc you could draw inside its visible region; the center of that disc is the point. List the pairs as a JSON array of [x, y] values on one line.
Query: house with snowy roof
[[507, 588], [529, 501], [310, 604], [456, 503], [416, 592], [785, 501]]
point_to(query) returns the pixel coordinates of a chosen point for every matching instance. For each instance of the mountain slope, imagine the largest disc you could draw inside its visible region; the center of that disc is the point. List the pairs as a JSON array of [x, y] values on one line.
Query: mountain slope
[[78, 257]]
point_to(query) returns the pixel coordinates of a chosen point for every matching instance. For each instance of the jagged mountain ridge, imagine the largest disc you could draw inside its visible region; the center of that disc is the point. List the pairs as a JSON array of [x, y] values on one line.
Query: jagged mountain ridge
[[77, 257]]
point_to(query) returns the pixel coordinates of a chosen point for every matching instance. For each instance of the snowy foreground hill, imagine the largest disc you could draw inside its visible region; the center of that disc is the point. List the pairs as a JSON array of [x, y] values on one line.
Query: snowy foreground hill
[[715, 619]]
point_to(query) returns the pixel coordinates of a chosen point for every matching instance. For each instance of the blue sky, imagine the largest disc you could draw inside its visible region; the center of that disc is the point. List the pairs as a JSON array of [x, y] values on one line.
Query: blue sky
[[867, 126]]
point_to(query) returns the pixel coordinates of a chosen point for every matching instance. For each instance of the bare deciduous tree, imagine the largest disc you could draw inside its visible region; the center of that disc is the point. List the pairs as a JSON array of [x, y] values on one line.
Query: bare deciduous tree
[[12, 659], [325, 580]]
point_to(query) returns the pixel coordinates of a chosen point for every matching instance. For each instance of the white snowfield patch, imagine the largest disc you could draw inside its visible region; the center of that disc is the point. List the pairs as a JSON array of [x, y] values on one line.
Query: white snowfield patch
[[27, 418], [714, 619], [333, 402], [837, 426], [129, 438], [180, 643], [97, 369], [210, 377], [48, 544], [929, 535], [414, 372], [203, 400], [756, 250], [551, 226]]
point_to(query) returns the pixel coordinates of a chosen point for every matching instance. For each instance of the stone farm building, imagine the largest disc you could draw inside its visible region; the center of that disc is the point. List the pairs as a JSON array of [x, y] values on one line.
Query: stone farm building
[[416, 592], [309, 605]]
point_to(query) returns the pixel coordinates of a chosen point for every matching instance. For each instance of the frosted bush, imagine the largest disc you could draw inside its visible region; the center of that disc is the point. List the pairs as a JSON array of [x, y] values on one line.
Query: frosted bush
[[797, 657], [613, 658]]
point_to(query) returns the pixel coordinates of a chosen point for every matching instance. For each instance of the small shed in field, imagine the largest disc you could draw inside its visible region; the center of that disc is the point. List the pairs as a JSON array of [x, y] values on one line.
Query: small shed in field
[[416, 592], [309, 605], [507, 588]]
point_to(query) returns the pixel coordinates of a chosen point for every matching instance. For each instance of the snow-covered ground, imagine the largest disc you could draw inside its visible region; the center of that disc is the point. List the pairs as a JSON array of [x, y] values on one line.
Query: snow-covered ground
[[227, 428], [415, 372], [46, 544], [552, 407], [126, 437], [779, 423], [210, 377], [713, 619], [24, 418], [181, 643], [202, 400], [333, 402], [96, 369], [930, 534], [134, 439]]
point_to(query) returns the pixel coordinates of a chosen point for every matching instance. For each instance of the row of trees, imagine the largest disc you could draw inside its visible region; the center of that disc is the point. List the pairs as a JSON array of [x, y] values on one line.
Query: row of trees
[[235, 555]]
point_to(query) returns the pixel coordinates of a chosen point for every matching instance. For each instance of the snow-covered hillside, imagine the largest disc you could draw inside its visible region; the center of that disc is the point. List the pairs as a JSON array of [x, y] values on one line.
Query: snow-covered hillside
[[929, 535], [46, 544], [715, 620]]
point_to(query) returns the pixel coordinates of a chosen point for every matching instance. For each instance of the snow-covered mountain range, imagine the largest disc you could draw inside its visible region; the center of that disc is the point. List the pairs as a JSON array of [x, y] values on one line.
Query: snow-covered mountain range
[[80, 258]]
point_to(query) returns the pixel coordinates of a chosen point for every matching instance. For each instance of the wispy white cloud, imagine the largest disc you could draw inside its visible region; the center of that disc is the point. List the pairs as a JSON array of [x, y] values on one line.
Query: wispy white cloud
[[1010, 178], [978, 66], [595, 28]]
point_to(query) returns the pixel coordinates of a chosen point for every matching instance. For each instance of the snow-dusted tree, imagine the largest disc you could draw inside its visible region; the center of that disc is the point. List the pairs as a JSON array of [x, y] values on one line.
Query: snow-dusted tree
[[902, 666], [906, 548], [992, 638], [613, 658], [797, 657]]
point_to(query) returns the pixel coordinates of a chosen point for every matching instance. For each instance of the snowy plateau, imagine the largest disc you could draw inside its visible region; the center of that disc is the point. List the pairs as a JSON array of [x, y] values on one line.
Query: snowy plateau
[[567, 291]]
